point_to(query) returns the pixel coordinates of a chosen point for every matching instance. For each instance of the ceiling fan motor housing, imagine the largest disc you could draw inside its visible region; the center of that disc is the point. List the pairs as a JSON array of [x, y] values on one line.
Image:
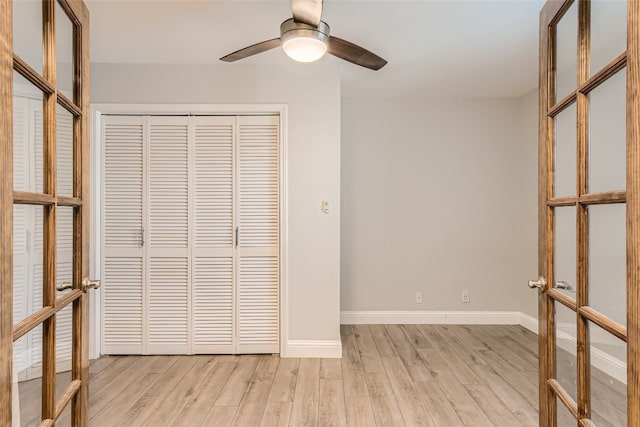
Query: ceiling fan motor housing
[[291, 29]]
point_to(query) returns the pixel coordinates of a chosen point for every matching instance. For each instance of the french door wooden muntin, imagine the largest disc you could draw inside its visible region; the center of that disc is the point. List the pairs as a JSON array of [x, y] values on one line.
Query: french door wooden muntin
[[550, 106], [77, 105]]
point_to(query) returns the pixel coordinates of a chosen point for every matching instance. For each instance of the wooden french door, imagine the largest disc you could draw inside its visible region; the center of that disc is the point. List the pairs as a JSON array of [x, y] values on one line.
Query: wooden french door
[[44, 212], [589, 213]]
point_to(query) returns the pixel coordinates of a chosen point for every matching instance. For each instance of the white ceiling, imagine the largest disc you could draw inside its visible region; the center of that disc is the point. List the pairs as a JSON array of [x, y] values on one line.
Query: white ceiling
[[436, 49]]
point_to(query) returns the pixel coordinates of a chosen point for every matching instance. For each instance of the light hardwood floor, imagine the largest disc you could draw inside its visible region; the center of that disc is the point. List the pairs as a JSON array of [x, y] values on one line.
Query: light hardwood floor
[[389, 375]]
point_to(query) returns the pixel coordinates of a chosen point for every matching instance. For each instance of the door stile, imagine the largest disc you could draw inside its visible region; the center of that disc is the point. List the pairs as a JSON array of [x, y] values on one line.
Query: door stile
[[235, 244], [633, 213], [81, 189], [582, 221], [50, 212], [6, 210], [546, 307], [545, 403]]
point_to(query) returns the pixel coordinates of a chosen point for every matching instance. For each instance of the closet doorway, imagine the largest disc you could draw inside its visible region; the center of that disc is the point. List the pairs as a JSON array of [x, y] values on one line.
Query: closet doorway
[[191, 230]]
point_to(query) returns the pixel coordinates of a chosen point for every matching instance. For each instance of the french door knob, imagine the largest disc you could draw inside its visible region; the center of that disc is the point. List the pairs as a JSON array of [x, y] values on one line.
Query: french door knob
[[540, 283], [90, 284]]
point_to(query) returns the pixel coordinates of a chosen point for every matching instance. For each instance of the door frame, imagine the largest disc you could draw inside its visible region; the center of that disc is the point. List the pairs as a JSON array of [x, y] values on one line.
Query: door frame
[[546, 303], [98, 110]]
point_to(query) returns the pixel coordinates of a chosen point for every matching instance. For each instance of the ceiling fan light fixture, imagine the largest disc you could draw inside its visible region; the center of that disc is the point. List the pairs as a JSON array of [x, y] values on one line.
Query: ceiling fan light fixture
[[303, 42], [304, 49]]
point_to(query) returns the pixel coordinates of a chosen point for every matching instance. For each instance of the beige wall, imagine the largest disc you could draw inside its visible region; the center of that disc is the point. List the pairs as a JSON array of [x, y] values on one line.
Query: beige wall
[[312, 94], [432, 202]]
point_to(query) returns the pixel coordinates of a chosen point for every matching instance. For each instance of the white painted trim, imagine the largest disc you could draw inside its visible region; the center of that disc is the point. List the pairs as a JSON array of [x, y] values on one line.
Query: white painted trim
[[95, 234], [608, 364], [97, 110], [311, 348], [430, 317], [529, 322]]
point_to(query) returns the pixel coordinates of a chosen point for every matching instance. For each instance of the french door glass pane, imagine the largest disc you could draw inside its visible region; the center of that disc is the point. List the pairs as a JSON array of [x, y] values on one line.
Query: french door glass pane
[[567, 52], [27, 32], [565, 418], [27, 135], [565, 155], [608, 389], [27, 260], [565, 248], [608, 31], [64, 243], [64, 151], [63, 349], [608, 261], [27, 371], [566, 361], [607, 134], [64, 52]]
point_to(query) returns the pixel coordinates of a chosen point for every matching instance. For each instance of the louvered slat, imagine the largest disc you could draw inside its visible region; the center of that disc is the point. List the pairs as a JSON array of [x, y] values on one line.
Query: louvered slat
[[213, 305], [168, 182], [213, 181], [168, 304], [258, 305], [258, 181], [123, 305]]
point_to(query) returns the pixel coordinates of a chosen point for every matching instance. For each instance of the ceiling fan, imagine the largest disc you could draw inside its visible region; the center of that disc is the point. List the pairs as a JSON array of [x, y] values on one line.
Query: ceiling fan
[[305, 38]]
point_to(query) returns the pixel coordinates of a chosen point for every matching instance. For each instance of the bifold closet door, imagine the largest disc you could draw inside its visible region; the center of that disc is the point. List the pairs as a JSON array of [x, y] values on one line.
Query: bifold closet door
[[191, 235], [169, 292], [213, 253], [257, 261], [123, 266]]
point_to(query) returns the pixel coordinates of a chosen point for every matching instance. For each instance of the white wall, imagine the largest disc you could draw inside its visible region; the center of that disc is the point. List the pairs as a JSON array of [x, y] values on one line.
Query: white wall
[[313, 97], [431, 202], [528, 236]]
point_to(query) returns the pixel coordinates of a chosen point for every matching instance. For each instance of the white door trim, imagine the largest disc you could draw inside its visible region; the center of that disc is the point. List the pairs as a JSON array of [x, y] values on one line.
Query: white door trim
[[98, 110]]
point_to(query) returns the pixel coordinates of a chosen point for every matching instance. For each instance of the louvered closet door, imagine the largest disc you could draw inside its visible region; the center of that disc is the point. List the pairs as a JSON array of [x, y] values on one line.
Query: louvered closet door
[[168, 285], [258, 222], [123, 236], [212, 259]]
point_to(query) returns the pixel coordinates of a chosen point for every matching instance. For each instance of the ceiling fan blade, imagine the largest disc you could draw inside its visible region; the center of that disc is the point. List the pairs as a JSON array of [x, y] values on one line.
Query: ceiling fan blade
[[355, 54], [251, 50], [307, 11]]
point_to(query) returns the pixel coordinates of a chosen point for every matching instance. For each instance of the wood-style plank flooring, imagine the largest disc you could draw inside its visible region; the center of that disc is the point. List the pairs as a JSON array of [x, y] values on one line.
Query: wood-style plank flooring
[[389, 375]]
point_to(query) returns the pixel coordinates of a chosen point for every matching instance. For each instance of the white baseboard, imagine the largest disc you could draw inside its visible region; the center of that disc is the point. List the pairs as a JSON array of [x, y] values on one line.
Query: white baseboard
[[608, 364], [313, 348], [430, 317], [529, 322]]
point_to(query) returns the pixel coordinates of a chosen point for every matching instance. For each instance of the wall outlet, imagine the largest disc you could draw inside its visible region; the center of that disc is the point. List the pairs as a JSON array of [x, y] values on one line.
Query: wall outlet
[[418, 297], [465, 296]]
